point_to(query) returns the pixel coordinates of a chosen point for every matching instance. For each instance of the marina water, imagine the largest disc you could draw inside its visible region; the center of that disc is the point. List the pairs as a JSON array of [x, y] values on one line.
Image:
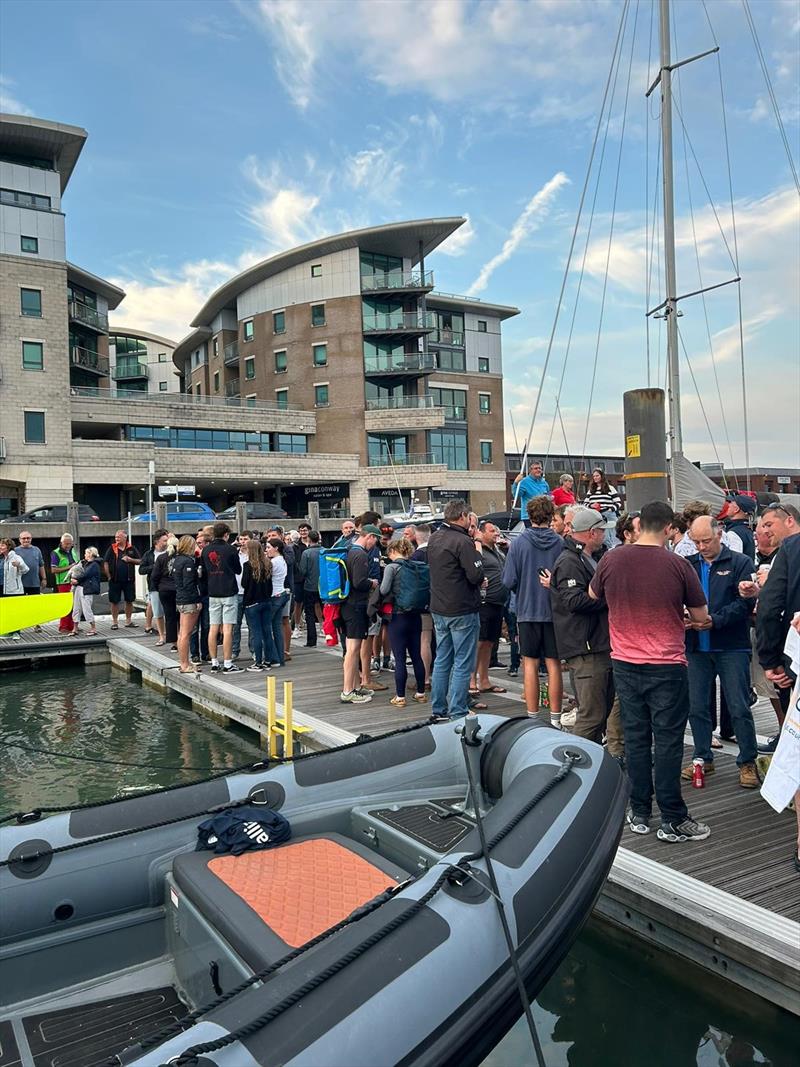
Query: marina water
[[614, 1001]]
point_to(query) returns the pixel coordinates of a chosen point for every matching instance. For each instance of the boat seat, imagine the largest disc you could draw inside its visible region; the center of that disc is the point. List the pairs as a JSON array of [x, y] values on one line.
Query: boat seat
[[269, 901]]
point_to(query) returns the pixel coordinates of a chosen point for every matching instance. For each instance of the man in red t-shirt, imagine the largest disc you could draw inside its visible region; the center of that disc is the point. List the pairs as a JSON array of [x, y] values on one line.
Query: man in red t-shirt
[[653, 596]]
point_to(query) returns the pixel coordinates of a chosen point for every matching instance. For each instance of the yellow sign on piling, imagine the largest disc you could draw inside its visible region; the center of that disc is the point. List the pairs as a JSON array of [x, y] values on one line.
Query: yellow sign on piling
[[633, 446]]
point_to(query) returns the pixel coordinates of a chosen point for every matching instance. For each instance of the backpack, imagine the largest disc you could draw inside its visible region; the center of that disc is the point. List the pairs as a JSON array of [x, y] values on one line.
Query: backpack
[[413, 586], [334, 584]]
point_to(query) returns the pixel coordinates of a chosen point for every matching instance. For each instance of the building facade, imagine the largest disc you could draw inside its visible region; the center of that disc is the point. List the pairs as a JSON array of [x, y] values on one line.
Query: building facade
[[757, 479], [141, 362], [350, 327]]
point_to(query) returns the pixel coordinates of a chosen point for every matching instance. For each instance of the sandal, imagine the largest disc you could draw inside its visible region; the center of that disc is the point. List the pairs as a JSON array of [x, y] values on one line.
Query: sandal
[[478, 705], [399, 702], [160, 643], [192, 670], [91, 633], [421, 698], [114, 626], [494, 689], [131, 625], [148, 630], [474, 692], [716, 743]]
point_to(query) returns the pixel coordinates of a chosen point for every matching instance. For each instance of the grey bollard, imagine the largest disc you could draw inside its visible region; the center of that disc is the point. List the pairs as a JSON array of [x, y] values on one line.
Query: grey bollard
[[161, 515], [73, 525], [313, 514], [241, 516]]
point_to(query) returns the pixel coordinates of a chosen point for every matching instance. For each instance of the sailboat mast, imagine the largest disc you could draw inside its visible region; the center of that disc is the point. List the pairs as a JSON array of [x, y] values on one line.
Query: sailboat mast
[[670, 311]]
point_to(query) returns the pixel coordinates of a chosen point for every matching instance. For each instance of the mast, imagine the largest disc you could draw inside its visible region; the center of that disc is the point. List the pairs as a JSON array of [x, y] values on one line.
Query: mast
[[671, 307]]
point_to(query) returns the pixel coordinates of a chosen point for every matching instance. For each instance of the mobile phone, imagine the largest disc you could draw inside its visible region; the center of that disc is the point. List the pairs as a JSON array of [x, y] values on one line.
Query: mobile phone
[[543, 572]]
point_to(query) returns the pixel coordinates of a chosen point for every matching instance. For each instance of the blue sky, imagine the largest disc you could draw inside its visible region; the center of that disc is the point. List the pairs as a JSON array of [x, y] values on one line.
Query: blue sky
[[223, 131]]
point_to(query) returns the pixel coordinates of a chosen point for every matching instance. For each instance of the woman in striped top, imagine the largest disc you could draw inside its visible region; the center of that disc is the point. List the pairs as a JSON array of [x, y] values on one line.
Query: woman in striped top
[[603, 497]]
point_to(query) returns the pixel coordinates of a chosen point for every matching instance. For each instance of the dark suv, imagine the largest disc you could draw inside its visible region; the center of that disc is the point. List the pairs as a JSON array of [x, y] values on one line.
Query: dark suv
[[255, 510], [53, 513]]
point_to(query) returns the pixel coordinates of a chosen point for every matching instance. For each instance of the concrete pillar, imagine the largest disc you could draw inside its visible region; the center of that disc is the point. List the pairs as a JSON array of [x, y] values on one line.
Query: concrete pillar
[[73, 526], [313, 514], [241, 516], [645, 447], [161, 515]]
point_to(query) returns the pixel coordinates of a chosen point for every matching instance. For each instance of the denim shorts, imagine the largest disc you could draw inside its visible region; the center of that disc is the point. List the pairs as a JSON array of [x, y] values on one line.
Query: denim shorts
[[223, 609], [155, 604]]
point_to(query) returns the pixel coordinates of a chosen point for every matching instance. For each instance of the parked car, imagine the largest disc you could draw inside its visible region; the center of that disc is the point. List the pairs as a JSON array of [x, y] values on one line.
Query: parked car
[[182, 511], [53, 513], [255, 511]]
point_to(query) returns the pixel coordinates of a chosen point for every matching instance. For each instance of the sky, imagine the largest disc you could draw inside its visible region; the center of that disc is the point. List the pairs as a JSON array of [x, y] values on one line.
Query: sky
[[224, 131]]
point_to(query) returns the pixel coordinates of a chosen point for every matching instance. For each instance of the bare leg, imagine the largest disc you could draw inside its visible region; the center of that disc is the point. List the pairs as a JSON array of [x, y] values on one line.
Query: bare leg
[[530, 671], [364, 658], [555, 684], [287, 636], [128, 612], [484, 656], [114, 614], [351, 663], [227, 641], [213, 639], [148, 616], [160, 628], [187, 624], [426, 653]]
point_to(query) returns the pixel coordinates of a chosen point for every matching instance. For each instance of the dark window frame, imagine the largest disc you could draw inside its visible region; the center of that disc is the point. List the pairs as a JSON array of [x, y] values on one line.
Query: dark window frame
[[25, 426], [40, 346], [30, 251], [29, 314]]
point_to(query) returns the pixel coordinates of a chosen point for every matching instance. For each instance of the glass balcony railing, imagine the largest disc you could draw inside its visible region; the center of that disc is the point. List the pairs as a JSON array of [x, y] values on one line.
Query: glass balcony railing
[[398, 321], [92, 392], [447, 337], [393, 280], [403, 363], [88, 360], [128, 370], [232, 388], [407, 459], [399, 403], [82, 313], [232, 352]]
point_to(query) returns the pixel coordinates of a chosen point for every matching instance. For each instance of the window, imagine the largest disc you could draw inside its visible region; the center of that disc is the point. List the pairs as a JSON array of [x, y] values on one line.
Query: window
[[197, 389], [279, 322], [162, 387], [34, 427], [481, 325], [250, 400], [317, 314], [282, 399], [29, 244], [216, 381], [316, 270], [250, 368], [185, 437], [216, 347], [291, 442], [486, 451], [383, 450], [162, 357], [321, 395], [32, 355], [18, 199], [454, 402], [451, 359], [319, 355], [449, 447], [483, 364], [281, 363], [484, 403], [248, 330], [31, 303]]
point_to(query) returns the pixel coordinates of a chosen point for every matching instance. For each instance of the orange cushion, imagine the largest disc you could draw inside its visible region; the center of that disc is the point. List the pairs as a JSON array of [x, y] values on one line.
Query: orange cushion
[[300, 890]]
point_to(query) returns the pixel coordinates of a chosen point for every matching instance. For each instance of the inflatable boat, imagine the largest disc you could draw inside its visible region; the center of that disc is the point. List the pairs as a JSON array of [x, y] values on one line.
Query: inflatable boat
[[373, 936]]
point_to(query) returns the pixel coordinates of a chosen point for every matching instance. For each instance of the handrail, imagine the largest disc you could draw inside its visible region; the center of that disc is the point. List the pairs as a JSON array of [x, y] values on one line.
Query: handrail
[[232, 388], [232, 352], [410, 279], [89, 316], [410, 459], [88, 360], [130, 369], [381, 364], [90, 392], [387, 321], [447, 337], [402, 403]]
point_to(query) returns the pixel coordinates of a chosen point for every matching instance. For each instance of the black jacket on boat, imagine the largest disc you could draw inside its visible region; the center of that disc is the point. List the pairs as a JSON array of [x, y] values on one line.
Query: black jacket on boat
[[456, 571], [580, 623], [777, 603], [184, 572]]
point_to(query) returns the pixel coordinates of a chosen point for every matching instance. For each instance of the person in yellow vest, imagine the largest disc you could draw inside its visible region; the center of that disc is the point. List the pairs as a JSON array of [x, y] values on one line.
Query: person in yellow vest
[[64, 557]]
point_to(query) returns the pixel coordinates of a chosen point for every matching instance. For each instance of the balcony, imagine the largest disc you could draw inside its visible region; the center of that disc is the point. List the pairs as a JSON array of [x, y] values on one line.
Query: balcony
[[100, 405], [130, 370], [88, 361], [398, 323], [404, 363], [87, 316], [447, 337], [232, 354], [232, 389], [405, 459], [412, 281], [455, 413], [402, 413]]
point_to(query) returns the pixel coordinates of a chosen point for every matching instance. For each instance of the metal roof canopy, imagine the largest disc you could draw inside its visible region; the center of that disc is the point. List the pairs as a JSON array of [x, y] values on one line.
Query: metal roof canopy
[[25, 135], [90, 281]]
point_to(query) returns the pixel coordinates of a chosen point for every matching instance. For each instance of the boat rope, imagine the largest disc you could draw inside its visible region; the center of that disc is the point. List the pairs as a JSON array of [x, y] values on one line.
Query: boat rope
[[501, 911], [453, 871], [254, 767]]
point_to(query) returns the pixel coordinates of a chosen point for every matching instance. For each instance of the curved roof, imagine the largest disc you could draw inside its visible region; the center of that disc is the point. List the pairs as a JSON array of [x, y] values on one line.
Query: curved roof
[[393, 239], [113, 294], [143, 335]]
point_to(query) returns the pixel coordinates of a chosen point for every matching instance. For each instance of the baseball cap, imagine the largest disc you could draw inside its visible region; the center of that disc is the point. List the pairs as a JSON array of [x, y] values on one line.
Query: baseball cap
[[370, 529], [746, 503], [584, 519]]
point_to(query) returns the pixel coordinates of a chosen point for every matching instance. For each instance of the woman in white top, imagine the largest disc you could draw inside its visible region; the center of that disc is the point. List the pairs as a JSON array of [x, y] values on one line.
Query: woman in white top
[[280, 596], [13, 567]]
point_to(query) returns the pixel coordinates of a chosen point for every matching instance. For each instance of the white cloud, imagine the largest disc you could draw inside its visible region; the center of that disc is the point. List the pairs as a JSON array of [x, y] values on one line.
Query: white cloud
[[536, 208], [290, 23], [8, 101], [284, 212], [459, 241], [375, 172]]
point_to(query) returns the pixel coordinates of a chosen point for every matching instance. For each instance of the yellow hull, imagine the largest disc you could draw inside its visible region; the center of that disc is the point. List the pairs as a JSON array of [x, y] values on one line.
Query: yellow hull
[[20, 612]]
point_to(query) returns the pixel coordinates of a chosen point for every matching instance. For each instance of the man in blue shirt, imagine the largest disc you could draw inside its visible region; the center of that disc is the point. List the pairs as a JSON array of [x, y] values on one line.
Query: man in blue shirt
[[528, 486], [720, 648]]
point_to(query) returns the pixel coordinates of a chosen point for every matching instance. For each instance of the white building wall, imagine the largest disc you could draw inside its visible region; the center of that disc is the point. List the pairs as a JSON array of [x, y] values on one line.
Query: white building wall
[[340, 277], [484, 345], [46, 226]]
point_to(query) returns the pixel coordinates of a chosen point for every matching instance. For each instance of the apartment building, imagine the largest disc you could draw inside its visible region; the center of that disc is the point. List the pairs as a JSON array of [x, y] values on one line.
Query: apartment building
[[141, 362], [404, 378]]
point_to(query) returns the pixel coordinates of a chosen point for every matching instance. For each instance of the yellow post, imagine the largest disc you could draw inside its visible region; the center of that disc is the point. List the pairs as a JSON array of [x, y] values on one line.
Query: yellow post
[[288, 735], [272, 737]]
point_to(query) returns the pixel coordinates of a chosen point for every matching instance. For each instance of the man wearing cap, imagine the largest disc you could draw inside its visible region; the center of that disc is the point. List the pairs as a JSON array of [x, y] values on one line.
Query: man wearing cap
[[353, 619], [581, 628], [736, 522]]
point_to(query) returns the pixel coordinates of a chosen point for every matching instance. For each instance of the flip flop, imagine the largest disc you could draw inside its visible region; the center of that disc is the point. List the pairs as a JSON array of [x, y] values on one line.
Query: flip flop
[[478, 705], [474, 692], [114, 626], [494, 689], [716, 744], [130, 625]]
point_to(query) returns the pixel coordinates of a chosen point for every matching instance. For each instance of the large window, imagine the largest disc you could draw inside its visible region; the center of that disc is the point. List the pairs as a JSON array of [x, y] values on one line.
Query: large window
[[30, 301], [317, 314], [291, 442], [128, 346], [454, 402], [250, 368], [449, 447], [374, 263], [451, 359], [486, 451], [34, 427], [383, 450], [279, 322], [449, 328], [82, 296], [19, 199], [321, 395], [189, 437], [319, 355], [248, 330], [32, 355], [29, 244]]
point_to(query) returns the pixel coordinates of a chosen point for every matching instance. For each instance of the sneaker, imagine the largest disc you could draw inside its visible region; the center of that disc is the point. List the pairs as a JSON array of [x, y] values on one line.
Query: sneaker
[[555, 722], [569, 718], [233, 669], [512, 672], [688, 830], [769, 745], [296, 632], [215, 668], [16, 637], [637, 824], [255, 668], [375, 666], [355, 698], [748, 776], [265, 666], [195, 659], [688, 771]]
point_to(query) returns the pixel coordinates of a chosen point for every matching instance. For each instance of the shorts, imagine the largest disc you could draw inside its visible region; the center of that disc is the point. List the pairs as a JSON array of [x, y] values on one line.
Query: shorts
[[32, 590], [119, 591], [374, 627], [286, 610], [353, 620], [185, 609], [155, 604], [491, 616], [537, 640], [223, 609]]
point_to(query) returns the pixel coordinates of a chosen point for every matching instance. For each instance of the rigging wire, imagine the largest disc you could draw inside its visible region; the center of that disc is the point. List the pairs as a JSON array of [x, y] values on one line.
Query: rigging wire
[[770, 91], [647, 195], [700, 401], [623, 18], [610, 231]]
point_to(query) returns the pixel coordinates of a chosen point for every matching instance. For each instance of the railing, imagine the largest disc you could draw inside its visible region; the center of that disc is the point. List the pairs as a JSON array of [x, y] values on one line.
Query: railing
[[394, 403], [88, 316], [446, 337], [130, 369], [422, 361], [232, 352], [412, 279], [232, 388], [409, 459], [391, 321], [191, 399], [89, 360]]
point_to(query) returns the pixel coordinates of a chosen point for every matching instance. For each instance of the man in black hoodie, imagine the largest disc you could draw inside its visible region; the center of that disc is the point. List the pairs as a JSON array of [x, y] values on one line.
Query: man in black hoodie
[[221, 564]]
